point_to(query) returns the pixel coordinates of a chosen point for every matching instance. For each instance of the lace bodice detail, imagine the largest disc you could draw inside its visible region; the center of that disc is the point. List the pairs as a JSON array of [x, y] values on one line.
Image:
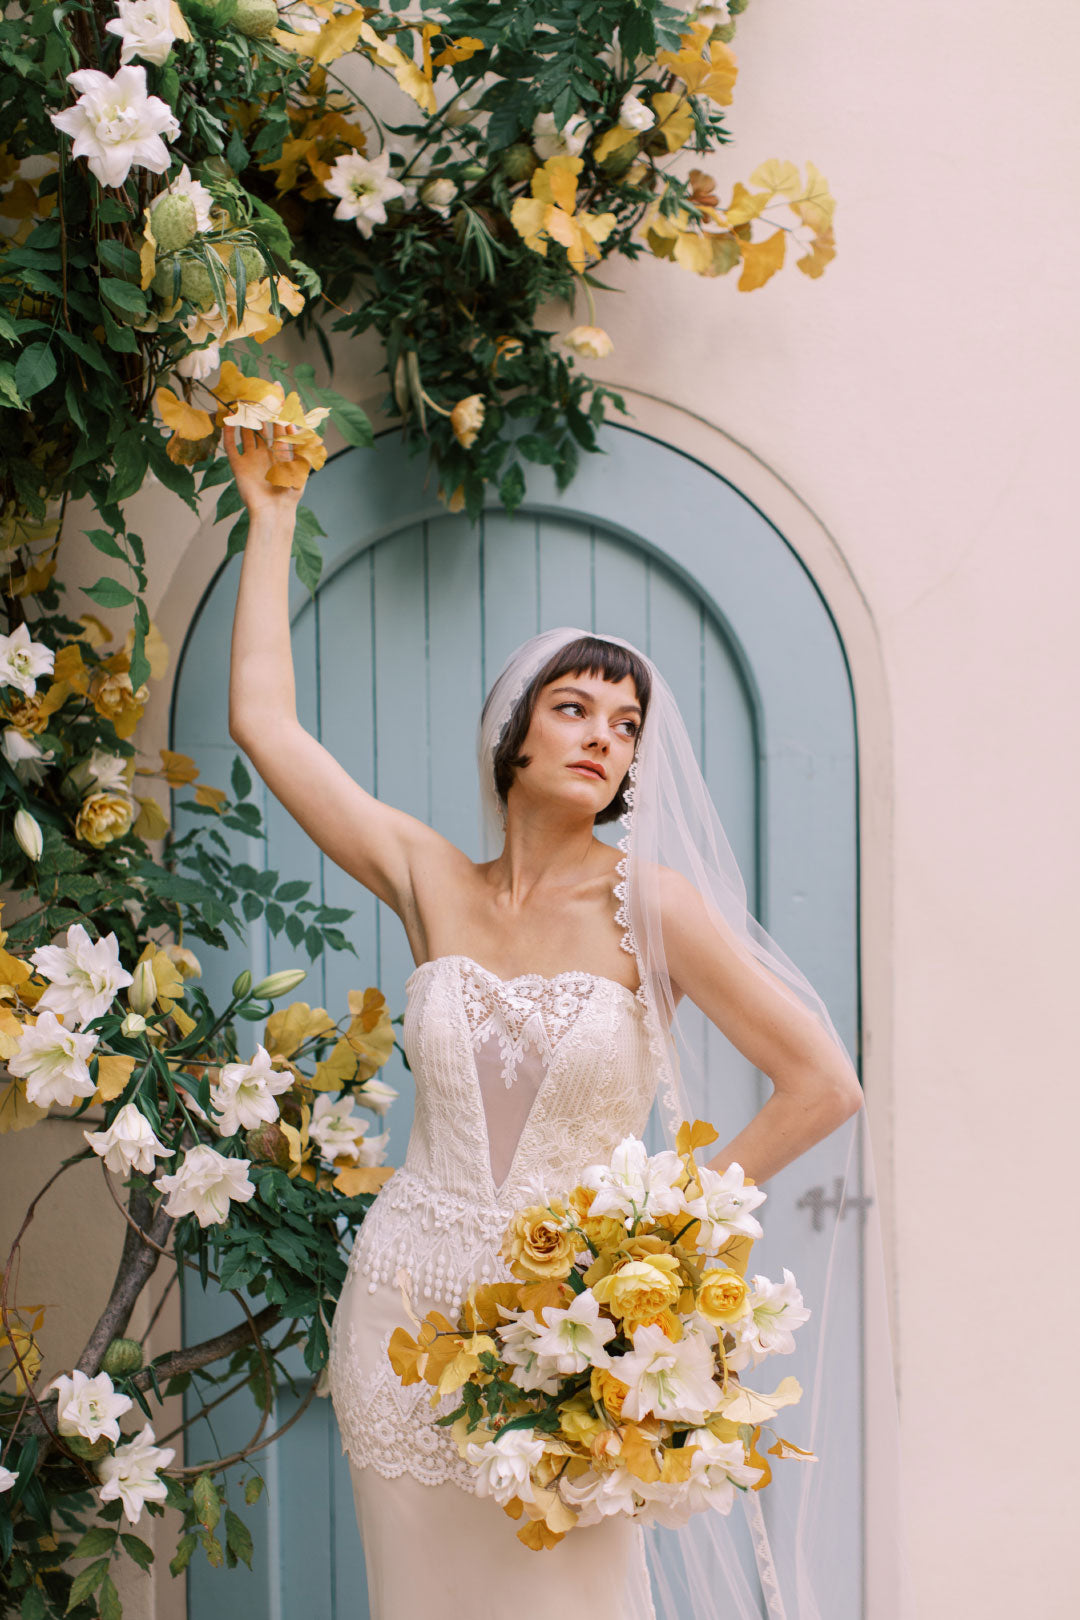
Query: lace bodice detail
[[520, 1084]]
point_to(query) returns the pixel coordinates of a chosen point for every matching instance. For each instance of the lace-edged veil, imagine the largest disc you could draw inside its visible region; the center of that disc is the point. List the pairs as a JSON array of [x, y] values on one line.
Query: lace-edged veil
[[826, 1539]]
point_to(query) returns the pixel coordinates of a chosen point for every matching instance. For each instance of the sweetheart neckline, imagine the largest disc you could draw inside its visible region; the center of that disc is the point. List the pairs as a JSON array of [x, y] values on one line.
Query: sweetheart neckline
[[519, 978]]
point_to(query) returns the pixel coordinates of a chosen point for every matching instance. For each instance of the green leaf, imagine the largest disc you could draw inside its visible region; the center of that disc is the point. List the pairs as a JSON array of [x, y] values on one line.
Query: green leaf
[[351, 422], [512, 488], [33, 1605], [119, 258], [9, 392], [85, 351], [121, 339], [102, 540], [129, 460], [100, 1539], [295, 889], [306, 552], [109, 1605], [253, 1489], [241, 779], [238, 1537], [109, 593], [272, 229], [34, 369], [124, 295], [181, 1558], [86, 1582], [137, 1549], [207, 1501]]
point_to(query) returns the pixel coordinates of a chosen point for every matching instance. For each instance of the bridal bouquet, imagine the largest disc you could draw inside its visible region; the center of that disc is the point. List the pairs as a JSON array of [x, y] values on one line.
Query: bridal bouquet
[[607, 1378]]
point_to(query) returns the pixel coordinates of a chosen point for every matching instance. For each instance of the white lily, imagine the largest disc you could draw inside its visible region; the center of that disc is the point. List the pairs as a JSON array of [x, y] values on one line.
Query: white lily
[[131, 1473], [89, 1406], [504, 1466], [364, 186], [574, 1338], [23, 660], [634, 1183], [518, 1336], [243, 1096], [341, 1133], [116, 126], [724, 1208], [205, 1185], [53, 1061], [774, 1311], [144, 28], [25, 755], [84, 975], [672, 1381], [549, 142], [129, 1143]]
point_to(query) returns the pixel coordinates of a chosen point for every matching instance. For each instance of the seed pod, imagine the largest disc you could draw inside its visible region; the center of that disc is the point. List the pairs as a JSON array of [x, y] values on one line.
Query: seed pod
[[518, 162], [122, 1356], [257, 19], [269, 1145], [174, 222], [195, 284]]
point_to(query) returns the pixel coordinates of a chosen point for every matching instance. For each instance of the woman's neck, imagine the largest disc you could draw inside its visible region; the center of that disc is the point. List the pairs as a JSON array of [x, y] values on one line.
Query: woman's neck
[[542, 851]]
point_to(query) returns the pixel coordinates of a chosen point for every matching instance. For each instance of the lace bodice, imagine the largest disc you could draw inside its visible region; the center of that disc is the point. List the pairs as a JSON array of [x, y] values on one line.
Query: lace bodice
[[520, 1084]]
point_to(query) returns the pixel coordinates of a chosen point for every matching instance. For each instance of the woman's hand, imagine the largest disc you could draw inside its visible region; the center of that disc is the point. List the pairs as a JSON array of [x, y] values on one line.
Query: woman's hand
[[251, 467]]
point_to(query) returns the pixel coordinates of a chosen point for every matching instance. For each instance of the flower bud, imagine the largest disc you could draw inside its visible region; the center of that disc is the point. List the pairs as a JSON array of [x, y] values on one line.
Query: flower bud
[[241, 985], [143, 991], [133, 1024], [269, 1145], [122, 1356], [278, 984], [28, 835]]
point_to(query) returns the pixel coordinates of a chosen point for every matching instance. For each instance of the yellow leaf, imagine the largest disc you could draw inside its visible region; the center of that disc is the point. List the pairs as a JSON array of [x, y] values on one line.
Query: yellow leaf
[[28, 1363], [612, 141], [751, 1406], [332, 1073], [761, 261], [13, 970], [151, 821], [413, 82], [183, 418], [713, 75], [212, 796], [776, 175], [459, 51], [822, 251], [787, 1448], [371, 1033], [744, 205], [536, 1535], [636, 1454], [406, 1357], [756, 1460], [816, 205], [114, 1072], [691, 1137], [184, 1023], [674, 118], [677, 1463], [556, 181], [290, 1027], [527, 216], [177, 768], [177, 23], [16, 1114], [362, 1178], [339, 35], [735, 1253], [694, 252], [10, 1032], [460, 1369]]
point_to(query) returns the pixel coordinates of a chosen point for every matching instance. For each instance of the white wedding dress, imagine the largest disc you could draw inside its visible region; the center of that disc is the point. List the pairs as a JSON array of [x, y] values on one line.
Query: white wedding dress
[[520, 1084]]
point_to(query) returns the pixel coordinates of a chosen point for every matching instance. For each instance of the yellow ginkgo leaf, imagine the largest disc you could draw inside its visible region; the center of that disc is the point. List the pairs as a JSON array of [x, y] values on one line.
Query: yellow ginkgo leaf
[[744, 205], [459, 51], [363, 1178], [815, 205], [214, 798], [147, 250], [711, 75], [761, 260], [16, 1114], [177, 769], [612, 141], [751, 1406], [787, 1448], [777, 175], [114, 1072], [290, 1027], [341, 34], [332, 1073], [183, 418], [692, 1136], [674, 118], [822, 251]]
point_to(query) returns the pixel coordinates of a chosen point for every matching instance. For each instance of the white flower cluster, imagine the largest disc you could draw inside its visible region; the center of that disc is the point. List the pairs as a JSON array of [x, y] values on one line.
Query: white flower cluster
[[90, 1407]]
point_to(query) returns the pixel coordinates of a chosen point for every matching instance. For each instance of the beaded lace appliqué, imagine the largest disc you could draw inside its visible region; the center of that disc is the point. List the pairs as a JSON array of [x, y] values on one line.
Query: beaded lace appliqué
[[527, 1010]]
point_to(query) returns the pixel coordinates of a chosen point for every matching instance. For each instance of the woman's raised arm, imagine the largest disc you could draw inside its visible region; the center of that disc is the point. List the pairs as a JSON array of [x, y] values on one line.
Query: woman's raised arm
[[375, 843]]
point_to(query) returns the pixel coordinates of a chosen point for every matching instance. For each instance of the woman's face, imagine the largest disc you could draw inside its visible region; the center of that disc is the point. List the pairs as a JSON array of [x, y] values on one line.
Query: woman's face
[[580, 741]]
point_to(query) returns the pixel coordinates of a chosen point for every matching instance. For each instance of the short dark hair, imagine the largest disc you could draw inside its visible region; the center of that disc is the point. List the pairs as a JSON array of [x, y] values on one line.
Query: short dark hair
[[588, 655]]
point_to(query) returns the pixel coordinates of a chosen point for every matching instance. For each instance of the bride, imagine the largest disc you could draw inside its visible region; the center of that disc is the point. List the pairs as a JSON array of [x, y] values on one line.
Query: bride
[[539, 1029]]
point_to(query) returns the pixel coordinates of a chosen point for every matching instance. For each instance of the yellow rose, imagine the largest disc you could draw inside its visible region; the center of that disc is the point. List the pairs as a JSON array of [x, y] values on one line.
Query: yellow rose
[[537, 1244], [608, 1391], [640, 1290], [722, 1297], [578, 1422], [602, 1231], [104, 817], [26, 713], [113, 698]]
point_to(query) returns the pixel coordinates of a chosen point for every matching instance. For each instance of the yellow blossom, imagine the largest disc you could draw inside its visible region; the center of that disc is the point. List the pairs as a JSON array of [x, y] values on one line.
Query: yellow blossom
[[104, 817], [467, 418], [537, 1244]]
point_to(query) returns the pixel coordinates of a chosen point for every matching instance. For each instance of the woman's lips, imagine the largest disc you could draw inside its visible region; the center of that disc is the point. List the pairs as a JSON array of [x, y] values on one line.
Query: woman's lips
[[589, 770]]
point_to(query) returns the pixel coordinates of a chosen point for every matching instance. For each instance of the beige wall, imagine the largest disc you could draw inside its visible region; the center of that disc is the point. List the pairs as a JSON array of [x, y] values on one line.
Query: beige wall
[[906, 422]]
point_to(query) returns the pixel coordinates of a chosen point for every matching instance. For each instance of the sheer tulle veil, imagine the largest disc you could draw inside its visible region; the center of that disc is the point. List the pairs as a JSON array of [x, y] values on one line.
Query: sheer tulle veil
[[825, 1540]]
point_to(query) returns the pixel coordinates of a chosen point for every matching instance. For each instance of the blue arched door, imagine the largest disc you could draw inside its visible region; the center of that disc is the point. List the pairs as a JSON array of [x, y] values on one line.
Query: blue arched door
[[415, 613]]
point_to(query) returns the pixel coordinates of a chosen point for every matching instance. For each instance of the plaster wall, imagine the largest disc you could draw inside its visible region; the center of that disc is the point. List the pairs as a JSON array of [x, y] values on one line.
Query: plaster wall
[[906, 421]]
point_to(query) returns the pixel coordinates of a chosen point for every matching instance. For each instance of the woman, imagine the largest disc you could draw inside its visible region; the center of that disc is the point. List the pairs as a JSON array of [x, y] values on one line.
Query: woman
[[537, 1027]]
